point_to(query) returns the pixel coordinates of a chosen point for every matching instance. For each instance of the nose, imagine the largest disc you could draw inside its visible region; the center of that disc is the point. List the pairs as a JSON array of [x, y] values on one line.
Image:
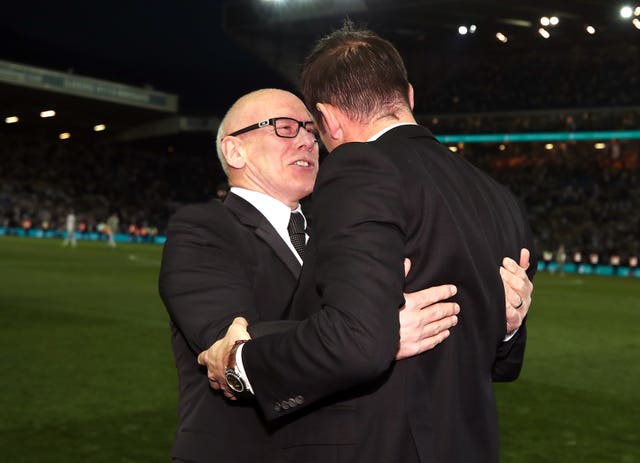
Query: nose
[[307, 139]]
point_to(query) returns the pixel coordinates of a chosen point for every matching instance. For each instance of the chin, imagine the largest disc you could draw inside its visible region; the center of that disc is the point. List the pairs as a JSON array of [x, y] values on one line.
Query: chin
[[304, 192]]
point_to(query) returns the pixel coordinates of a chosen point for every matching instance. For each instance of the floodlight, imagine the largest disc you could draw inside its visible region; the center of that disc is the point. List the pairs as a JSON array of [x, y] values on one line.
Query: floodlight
[[502, 147], [48, 113], [472, 28], [636, 12], [590, 30], [99, 127], [544, 33], [544, 21], [636, 22], [626, 12], [11, 119], [548, 146], [600, 146], [64, 136], [554, 20], [501, 37], [453, 149], [462, 30]]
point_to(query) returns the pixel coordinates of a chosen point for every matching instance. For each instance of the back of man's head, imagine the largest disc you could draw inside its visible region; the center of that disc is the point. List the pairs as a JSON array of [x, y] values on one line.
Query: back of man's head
[[358, 72]]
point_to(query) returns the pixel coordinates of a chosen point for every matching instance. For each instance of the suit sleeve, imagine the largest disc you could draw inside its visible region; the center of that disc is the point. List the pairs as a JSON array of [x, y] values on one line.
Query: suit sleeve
[[203, 282], [354, 334]]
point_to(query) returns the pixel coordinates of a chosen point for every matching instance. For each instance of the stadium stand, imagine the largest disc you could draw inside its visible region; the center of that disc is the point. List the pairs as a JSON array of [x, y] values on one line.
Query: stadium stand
[[143, 183], [541, 78]]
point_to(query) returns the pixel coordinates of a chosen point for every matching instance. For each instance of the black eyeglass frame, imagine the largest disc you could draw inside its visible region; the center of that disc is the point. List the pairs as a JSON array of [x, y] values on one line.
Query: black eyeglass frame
[[272, 121]]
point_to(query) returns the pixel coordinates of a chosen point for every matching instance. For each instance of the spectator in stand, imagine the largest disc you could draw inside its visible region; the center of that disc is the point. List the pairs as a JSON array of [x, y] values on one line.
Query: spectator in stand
[[133, 232]]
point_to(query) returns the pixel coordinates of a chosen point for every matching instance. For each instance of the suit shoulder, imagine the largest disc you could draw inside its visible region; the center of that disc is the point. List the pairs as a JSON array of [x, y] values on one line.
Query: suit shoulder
[[360, 156], [209, 213]]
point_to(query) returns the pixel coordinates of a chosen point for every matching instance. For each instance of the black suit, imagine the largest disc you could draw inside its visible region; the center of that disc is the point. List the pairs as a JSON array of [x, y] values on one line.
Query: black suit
[[374, 204], [220, 262]]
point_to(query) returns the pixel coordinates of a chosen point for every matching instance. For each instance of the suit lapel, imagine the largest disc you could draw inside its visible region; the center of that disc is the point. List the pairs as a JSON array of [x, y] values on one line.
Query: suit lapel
[[252, 218]]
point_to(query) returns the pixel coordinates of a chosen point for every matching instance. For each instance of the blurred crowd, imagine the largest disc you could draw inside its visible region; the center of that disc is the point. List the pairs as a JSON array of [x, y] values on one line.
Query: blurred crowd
[[542, 78], [580, 199], [41, 182]]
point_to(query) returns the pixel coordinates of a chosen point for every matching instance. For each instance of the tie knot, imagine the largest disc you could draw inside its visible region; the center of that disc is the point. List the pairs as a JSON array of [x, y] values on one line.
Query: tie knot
[[296, 223]]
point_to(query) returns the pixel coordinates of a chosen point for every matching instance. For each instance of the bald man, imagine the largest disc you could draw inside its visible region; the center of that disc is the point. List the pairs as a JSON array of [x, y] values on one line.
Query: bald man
[[236, 259]]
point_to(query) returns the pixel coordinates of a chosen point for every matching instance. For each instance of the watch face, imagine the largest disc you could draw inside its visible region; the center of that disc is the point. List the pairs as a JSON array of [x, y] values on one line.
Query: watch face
[[235, 382]]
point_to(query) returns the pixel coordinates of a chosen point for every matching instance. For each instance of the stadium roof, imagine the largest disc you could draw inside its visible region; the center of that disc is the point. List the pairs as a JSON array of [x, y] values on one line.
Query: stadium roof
[[420, 18], [282, 31]]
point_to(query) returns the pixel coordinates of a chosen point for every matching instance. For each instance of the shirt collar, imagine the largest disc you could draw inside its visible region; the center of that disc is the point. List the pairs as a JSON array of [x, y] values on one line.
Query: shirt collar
[[277, 213], [386, 129]]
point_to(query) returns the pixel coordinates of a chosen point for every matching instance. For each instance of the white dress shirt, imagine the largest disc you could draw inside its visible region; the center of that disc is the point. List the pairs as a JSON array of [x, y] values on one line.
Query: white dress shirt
[[278, 214]]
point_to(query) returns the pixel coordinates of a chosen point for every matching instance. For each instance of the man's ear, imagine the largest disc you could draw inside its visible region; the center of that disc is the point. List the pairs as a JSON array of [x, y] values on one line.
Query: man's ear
[[234, 152], [331, 120], [411, 96]]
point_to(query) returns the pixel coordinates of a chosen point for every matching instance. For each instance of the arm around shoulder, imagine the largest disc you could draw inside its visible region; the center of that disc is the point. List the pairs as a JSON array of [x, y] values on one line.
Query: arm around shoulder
[[353, 335]]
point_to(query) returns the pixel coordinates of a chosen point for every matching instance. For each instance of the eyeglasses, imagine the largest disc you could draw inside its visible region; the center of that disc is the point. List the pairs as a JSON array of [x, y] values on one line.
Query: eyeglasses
[[285, 127]]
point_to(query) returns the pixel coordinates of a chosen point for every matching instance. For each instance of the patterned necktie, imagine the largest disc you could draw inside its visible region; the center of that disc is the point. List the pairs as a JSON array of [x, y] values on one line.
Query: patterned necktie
[[296, 232]]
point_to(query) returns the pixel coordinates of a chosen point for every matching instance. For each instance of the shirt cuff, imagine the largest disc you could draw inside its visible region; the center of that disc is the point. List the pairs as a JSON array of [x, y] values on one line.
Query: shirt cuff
[[507, 337], [241, 371]]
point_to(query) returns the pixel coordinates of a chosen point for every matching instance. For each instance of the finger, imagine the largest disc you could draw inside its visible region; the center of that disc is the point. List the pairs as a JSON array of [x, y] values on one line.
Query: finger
[[514, 319], [511, 265], [514, 281], [512, 297], [431, 342], [519, 303], [447, 323], [524, 258], [407, 266], [432, 328], [439, 311], [240, 321], [430, 296], [202, 358]]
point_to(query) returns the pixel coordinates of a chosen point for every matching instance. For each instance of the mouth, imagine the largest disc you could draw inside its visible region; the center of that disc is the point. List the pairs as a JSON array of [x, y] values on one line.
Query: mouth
[[303, 163]]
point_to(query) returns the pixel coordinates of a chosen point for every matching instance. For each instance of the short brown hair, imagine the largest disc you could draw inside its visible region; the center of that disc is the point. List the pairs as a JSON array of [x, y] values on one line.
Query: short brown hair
[[357, 71]]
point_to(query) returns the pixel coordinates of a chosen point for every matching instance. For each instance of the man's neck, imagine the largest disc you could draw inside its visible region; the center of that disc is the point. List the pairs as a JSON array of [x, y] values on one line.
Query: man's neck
[[359, 132]]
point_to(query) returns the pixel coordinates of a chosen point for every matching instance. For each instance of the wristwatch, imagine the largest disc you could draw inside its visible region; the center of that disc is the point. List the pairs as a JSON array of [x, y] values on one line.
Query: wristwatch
[[232, 373]]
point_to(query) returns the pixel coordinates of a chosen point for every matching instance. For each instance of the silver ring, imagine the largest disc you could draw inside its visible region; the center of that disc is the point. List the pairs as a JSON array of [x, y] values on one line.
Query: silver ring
[[519, 305]]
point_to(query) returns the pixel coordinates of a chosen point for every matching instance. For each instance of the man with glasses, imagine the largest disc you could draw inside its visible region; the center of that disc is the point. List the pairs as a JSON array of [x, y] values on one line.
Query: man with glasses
[[239, 259]]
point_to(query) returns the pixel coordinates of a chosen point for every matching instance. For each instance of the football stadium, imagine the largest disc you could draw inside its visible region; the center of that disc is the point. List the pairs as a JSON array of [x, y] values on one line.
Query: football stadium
[[108, 122]]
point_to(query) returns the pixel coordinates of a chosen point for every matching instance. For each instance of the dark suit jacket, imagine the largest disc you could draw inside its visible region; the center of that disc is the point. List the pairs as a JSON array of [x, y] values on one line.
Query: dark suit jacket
[[220, 262], [374, 204]]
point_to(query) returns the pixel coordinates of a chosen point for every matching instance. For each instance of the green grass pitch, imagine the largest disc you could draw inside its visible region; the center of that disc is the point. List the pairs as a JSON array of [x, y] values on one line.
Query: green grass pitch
[[88, 375]]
